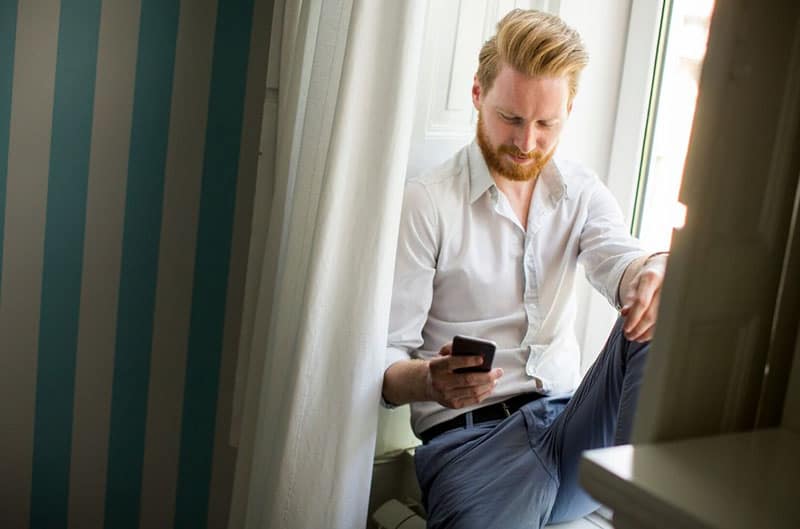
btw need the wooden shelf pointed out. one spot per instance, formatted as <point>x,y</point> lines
<point>736,481</point>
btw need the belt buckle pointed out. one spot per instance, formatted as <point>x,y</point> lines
<point>505,409</point>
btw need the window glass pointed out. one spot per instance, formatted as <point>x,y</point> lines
<point>670,122</point>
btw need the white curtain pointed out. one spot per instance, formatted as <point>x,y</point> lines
<point>319,277</point>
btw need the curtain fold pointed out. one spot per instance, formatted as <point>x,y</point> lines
<point>348,76</point>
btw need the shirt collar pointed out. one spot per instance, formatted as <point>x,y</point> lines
<point>480,180</point>
<point>552,178</point>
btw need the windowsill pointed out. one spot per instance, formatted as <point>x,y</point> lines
<point>733,481</point>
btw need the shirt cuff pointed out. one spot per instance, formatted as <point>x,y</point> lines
<point>386,404</point>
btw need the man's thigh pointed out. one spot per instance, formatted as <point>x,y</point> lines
<point>599,414</point>
<point>487,476</point>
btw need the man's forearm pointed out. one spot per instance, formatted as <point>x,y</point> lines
<point>406,381</point>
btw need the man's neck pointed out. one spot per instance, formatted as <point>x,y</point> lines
<point>515,189</point>
<point>519,195</point>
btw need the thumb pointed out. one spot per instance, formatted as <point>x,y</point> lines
<point>446,350</point>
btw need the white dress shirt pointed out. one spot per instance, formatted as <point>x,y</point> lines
<point>465,265</point>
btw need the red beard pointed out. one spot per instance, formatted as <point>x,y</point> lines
<point>499,164</point>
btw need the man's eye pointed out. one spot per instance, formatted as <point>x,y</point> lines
<point>511,119</point>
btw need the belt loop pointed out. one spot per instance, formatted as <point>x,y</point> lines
<point>468,419</point>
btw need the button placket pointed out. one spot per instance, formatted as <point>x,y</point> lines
<point>531,296</point>
<point>541,208</point>
<point>503,208</point>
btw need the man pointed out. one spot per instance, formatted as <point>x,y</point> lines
<point>488,247</point>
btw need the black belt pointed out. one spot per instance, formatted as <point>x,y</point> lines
<point>493,412</point>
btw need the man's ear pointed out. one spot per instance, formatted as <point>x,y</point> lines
<point>476,93</point>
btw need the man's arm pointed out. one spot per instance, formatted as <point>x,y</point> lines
<point>434,380</point>
<point>406,381</point>
<point>412,380</point>
<point>617,266</point>
<point>640,295</point>
<point>412,294</point>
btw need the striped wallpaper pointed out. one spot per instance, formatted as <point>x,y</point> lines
<point>127,163</point>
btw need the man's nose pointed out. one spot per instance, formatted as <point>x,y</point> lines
<point>527,138</point>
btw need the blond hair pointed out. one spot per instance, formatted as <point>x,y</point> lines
<point>534,43</point>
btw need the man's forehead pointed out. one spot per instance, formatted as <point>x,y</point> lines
<point>519,93</point>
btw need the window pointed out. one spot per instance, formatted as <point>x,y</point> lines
<point>664,50</point>
<point>679,59</point>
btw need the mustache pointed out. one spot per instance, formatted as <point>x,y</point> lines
<point>514,151</point>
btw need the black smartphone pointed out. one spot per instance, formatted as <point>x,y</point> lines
<point>469,346</point>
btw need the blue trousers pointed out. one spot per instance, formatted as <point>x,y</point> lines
<point>523,471</point>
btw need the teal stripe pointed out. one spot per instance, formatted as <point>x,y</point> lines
<point>8,38</point>
<point>217,201</point>
<point>139,268</point>
<point>73,103</point>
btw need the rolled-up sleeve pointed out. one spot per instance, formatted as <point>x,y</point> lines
<point>606,246</point>
<point>415,268</point>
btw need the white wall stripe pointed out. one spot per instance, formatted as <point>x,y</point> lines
<point>183,173</point>
<point>105,207</point>
<point>224,462</point>
<point>23,248</point>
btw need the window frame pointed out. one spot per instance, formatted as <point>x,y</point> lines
<point>641,73</point>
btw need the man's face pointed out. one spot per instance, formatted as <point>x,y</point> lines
<point>520,120</point>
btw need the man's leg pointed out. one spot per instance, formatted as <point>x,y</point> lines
<point>599,414</point>
<point>485,476</point>
<point>511,474</point>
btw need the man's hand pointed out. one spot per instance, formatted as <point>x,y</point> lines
<point>457,390</point>
<point>640,294</point>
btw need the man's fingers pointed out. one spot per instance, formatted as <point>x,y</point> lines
<point>457,362</point>
<point>637,304</point>
<point>447,363</point>
<point>645,334</point>
<point>467,397</point>
<point>470,380</point>
<point>457,390</point>
<point>449,381</point>
<point>640,300</point>
<point>446,350</point>
<point>643,330</point>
